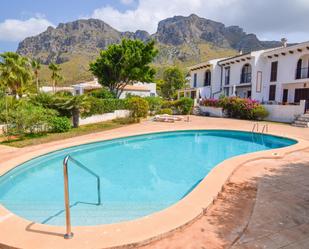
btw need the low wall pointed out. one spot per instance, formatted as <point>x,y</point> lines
<point>104,117</point>
<point>212,111</point>
<point>285,113</point>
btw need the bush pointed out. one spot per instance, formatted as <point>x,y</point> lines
<point>26,118</point>
<point>210,102</point>
<point>183,106</point>
<point>236,107</point>
<point>259,113</point>
<point>101,106</point>
<point>102,94</point>
<point>155,103</point>
<point>168,111</point>
<point>139,108</point>
<point>60,124</point>
<point>63,94</point>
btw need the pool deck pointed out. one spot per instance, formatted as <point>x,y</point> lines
<point>158,225</point>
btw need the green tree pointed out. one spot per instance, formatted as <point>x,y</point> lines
<point>76,105</point>
<point>173,80</point>
<point>15,73</point>
<point>56,76</point>
<point>123,64</point>
<point>36,66</point>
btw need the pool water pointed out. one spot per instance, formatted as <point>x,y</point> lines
<point>139,175</point>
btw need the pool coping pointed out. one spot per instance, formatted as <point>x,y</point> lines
<point>135,232</point>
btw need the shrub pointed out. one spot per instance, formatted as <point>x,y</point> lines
<point>26,118</point>
<point>102,94</point>
<point>155,103</point>
<point>139,108</point>
<point>236,107</point>
<point>63,94</point>
<point>59,124</point>
<point>210,102</point>
<point>183,106</point>
<point>101,106</point>
<point>259,113</point>
<point>168,111</point>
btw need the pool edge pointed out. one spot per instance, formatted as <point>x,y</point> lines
<point>154,226</point>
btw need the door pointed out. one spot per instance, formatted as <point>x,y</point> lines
<point>302,94</point>
<point>285,95</point>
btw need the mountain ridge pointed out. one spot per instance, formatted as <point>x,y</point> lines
<point>181,40</point>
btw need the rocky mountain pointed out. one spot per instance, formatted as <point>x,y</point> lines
<point>181,40</point>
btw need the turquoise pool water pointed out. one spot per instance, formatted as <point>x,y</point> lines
<point>139,175</point>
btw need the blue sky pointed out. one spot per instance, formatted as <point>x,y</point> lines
<point>22,18</point>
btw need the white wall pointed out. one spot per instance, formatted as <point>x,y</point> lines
<point>286,73</point>
<point>284,113</point>
<point>105,117</point>
<point>215,86</point>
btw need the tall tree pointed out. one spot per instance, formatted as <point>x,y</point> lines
<point>124,64</point>
<point>36,66</point>
<point>173,80</point>
<point>56,76</point>
<point>15,73</point>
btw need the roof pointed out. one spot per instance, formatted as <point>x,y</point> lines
<point>288,49</point>
<point>200,66</point>
<point>240,56</point>
<point>57,88</point>
<point>136,88</point>
<point>88,85</point>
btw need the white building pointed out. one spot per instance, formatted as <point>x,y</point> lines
<point>137,89</point>
<point>278,75</point>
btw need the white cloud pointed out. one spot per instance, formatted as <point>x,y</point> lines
<point>16,30</point>
<point>275,18</point>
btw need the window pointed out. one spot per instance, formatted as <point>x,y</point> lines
<point>195,80</point>
<point>299,69</point>
<point>274,70</point>
<point>272,92</point>
<point>207,81</point>
<point>227,75</point>
<point>246,74</point>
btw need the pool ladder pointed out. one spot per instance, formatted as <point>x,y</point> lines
<point>255,128</point>
<point>69,234</point>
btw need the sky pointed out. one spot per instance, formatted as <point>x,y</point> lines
<point>269,19</point>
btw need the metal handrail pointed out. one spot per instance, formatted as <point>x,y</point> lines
<point>265,128</point>
<point>68,158</point>
<point>255,125</point>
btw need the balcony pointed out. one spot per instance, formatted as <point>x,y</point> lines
<point>302,73</point>
<point>245,78</point>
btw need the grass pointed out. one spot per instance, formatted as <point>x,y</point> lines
<point>35,139</point>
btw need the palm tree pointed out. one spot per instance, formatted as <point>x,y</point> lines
<point>76,105</point>
<point>55,74</point>
<point>15,73</point>
<point>36,66</point>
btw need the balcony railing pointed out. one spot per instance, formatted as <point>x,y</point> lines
<point>245,78</point>
<point>302,73</point>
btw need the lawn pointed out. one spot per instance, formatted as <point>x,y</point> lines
<point>74,132</point>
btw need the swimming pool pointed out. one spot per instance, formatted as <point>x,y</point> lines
<point>139,175</point>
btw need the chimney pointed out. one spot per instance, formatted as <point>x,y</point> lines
<point>240,51</point>
<point>284,42</point>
